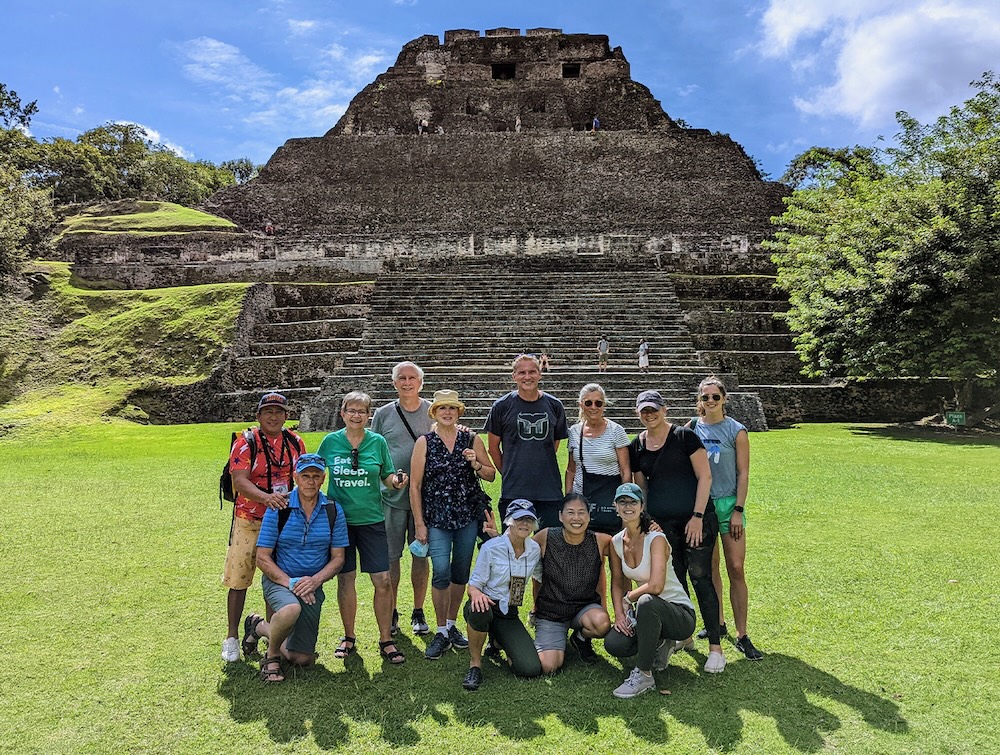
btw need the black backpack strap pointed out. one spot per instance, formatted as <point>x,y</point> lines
<point>331,516</point>
<point>399,411</point>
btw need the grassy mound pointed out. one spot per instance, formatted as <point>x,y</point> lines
<point>141,218</point>
<point>70,341</point>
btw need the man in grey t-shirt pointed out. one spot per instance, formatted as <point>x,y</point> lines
<point>603,347</point>
<point>401,422</point>
<point>524,430</point>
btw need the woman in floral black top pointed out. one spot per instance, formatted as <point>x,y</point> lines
<point>444,499</point>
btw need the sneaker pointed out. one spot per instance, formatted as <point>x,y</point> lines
<point>703,634</point>
<point>491,651</point>
<point>746,647</point>
<point>230,650</point>
<point>419,622</point>
<point>473,679</point>
<point>716,663</point>
<point>635,685</point>
<point>456,638</point>
<point>439,645</point>
<point>394,627</point>
<point>583,646</point>
<point>687,644</point>
<point>662,658</point>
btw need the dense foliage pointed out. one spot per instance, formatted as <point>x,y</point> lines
<point>891,258</point>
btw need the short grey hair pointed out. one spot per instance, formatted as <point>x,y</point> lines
<point>592,388</point>
<point>401,365</point>
<point>356,397</point>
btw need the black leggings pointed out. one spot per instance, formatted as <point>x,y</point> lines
<point>696,562</point>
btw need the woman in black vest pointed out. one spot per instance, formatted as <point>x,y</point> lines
<point>573,590</point>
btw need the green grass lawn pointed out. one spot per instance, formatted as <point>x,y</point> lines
<point>144,218</point>
<point>872,567</point>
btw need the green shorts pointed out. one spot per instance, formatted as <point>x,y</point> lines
<point>724,508</point>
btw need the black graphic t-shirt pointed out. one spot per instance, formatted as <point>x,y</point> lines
<point>528,431</point>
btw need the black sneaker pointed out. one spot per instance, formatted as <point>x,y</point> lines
<point>473,679</point>
<point>419,622</point>
<point>394,627</point>
<point>583,646</point>
<point>438,647</point>
<point>703,634</point>
<point>491,650</point>
<point>456,638</point>
<point>746,647</point>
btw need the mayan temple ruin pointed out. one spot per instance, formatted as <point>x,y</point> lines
<point>496,193</point>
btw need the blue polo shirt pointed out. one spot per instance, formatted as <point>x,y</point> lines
<point>303,548</point>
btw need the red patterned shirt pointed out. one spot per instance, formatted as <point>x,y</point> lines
<point>282,456</point>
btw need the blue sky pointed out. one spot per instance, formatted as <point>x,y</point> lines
<point>219,79</point>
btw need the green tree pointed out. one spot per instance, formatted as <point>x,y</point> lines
<point>242,168</point>
<point>891,259</point>
<point>14,115</point>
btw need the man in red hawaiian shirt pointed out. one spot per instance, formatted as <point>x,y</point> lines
<point>261,467</point>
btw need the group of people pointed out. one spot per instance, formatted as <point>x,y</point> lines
<point>604,352</point>
<point>648,511</point>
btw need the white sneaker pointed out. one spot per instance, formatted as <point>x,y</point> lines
<point>662,658</point>
<point>230,650</point>
<point>635,685</point>
<point>716,663</point>
<point>687,644</point>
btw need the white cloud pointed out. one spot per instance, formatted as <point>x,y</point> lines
<point>56,89</point>
<point>404,2</point>
<point>687,90</point>
<point>156,138</point>
<point>78,111</point>
<point>297,27</point>
<point>212,62</point>
<point>885,55</point>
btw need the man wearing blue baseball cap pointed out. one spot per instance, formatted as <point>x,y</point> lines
<point>299,548</point>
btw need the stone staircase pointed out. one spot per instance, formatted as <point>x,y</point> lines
<point>296,344</point>
<point>464,327</point>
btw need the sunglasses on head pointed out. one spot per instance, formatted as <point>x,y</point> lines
<point>593,402</point>
<point>711,397</point>
<point>354,459</point>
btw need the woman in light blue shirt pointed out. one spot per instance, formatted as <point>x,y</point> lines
<point>496,590</point>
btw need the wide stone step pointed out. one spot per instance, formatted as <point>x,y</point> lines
<point>237,406</point>
<point>296,370</point>
<point>742,341</point>
<point>322,294</point>
<point>747,287</point>
<point>705,321</point>
<point>734,305</point>
<point>347,327</point>
<point>314,346</point>
<point>300,314</point>
<point>759,366</point>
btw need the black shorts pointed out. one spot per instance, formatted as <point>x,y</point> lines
<point>370,541</point>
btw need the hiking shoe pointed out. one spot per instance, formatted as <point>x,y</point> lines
<point>419,622</point>
<point>439,645</point>
<point>473,679</point>
<point>491,650</point>
<point>687,644</point>
<point>746,647</point>
<point>703,634</point>
<point>716,663</point>
<point>662,658</point>
<point>583,646</point>
<point>456,638</point>
<point>394,627</point>
<point>230,650</point>
<point>635,685</point>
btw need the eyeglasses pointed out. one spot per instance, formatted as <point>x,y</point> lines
<point>593,402</point>
<point>711,397</point>
<point>355,412</point>
<point>354,459</point>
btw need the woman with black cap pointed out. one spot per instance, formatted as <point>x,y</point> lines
<point>670,464</point>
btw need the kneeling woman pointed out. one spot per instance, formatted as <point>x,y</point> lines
<point>496,590</point>
<point>652,610</point>
<point>571,596</point>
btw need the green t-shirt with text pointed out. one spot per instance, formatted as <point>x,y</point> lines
<point>356,490</point>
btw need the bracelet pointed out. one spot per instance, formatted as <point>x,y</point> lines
<point>698,514</point>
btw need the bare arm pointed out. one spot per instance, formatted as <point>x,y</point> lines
<point>570,472</point>
<point>540,537</point>
<point>484,464</point>
<point>243,486</point>
<point>268,567</point>
<point>619,585</point>
<point>694,531</point>
<point>742,482</point>
<point>624,464</point>
<point>494,450</point>
<point>417,461</point>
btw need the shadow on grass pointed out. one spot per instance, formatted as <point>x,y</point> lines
<point>925,435</point>
<point>336,704</point>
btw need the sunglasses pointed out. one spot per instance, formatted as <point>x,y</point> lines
<point>711,397</point>
<point>354,459</point>
<point>593,402</point>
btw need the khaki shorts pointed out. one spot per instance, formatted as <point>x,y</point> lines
<point>241,555</point>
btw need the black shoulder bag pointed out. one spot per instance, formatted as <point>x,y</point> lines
<point>600,491</point>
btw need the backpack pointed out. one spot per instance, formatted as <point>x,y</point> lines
<point>226,490</point>
<point>283,514</point>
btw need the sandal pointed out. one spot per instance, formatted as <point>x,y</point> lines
<point>250,636</point>
<point>395,657</point>
<point>271,671</point>
<point>344,649</point>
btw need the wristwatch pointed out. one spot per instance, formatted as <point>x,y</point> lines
<point>738,509</point>
<point>698,515</point>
